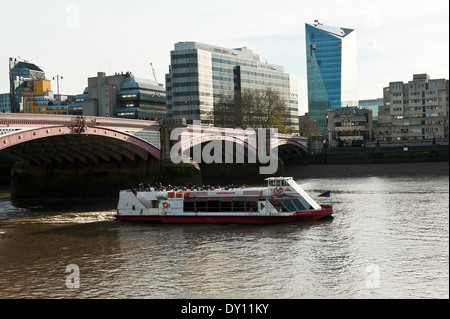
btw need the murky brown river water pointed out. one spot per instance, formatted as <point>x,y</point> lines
<point>389,238</point>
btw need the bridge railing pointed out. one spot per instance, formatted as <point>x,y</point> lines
<point>22,119</point>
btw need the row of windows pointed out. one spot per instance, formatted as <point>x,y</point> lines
<point>430,100</point>
<point>235,63</point>
<point>419,85</point>
<point>266,75</point>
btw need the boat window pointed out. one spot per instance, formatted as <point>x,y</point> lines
<point>278,205</point>
<point>298,204</point>
<point>213,206</point>
<point>200,206</point>
<point>251,206</point>
<point>155,203</point>
<point>189,206</point>
<point>239,206</point>
<point>225,206</point>
<point>293,204</point>
<point>290,206</point>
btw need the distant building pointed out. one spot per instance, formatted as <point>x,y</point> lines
<point>349,126</point>
<point>76,108</point>
<point>372,105</point>
<point>200,74</point>
<point>331,60</point>
<point>416,110</point>
<point>123,95</point>
<point>22,75</point>
<point>5,102</point>
<point>30,91</point>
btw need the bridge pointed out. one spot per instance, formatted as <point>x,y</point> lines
<point>46,152</point>
<point>34,138</point>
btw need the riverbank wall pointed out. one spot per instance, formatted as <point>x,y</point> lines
<point>365,170</point>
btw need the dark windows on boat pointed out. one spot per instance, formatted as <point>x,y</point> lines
<point>226,206</point>
<point>239,206</point>
<point>251,206</point>
<point>200,207</point>
<point>213,206</point>
<point>278,206</point>
<point>189,206</point>
<point>288,204</point>
<point>220,206</point>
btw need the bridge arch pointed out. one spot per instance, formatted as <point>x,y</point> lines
<point>120,144</point>
<point>292,142</point>
<point>198,140</point>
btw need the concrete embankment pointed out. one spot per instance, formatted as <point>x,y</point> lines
<point>355,170</point>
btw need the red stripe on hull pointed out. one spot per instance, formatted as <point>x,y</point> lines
<point>306,216</point>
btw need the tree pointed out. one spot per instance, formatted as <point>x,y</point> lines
<point>252,109</point>
<point>309,127</point>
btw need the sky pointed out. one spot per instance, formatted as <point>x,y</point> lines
<point>77,39</point>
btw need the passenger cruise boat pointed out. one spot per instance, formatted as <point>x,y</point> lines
<point>283,200</point>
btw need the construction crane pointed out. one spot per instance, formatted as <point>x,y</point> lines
<point>153,70</point>
<point>26,61</point>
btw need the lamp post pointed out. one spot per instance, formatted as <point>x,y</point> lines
<point>189,107</point>
<point>156,103</point>
<point>57,83</point>
<point>110,87</point>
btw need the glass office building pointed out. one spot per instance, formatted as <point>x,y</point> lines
<point>5,103</point>
<point>200,74</point>
<point>331,70</point>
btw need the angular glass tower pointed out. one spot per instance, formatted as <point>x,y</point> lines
<point>331,69</point>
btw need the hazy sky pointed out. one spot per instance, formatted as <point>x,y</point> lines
<point>76,39</point>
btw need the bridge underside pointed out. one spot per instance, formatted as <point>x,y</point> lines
<point>74,149</point>
<point>289,154</point>
<point>77,167</point>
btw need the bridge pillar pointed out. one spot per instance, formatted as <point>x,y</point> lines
<point>170,172</point>
<point>168,125</point>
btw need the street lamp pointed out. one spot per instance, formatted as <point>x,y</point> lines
<point>156,102</point>
<point>110,87</point>
<point>189,107</point>
<point>58,77</point>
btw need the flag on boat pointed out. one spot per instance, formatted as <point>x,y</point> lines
<point>326,194</point>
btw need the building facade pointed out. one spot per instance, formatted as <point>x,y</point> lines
<point>371,104</point>
<point>349,126</point>
<point>331,59</point>
<point>76,108</point>
<point>416,110</point>
<point>123,95</point>
<point>5,103</point>
<point>200,74</point>
<point>30,91</point>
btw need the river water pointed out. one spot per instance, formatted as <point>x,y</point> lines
<point>389,238</point>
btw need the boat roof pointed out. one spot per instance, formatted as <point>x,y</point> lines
<point>277,178</point>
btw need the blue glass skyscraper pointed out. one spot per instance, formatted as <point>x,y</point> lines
<point>331,69</point>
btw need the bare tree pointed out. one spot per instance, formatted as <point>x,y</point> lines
<point>309,127</point>
<point>252,109</point>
